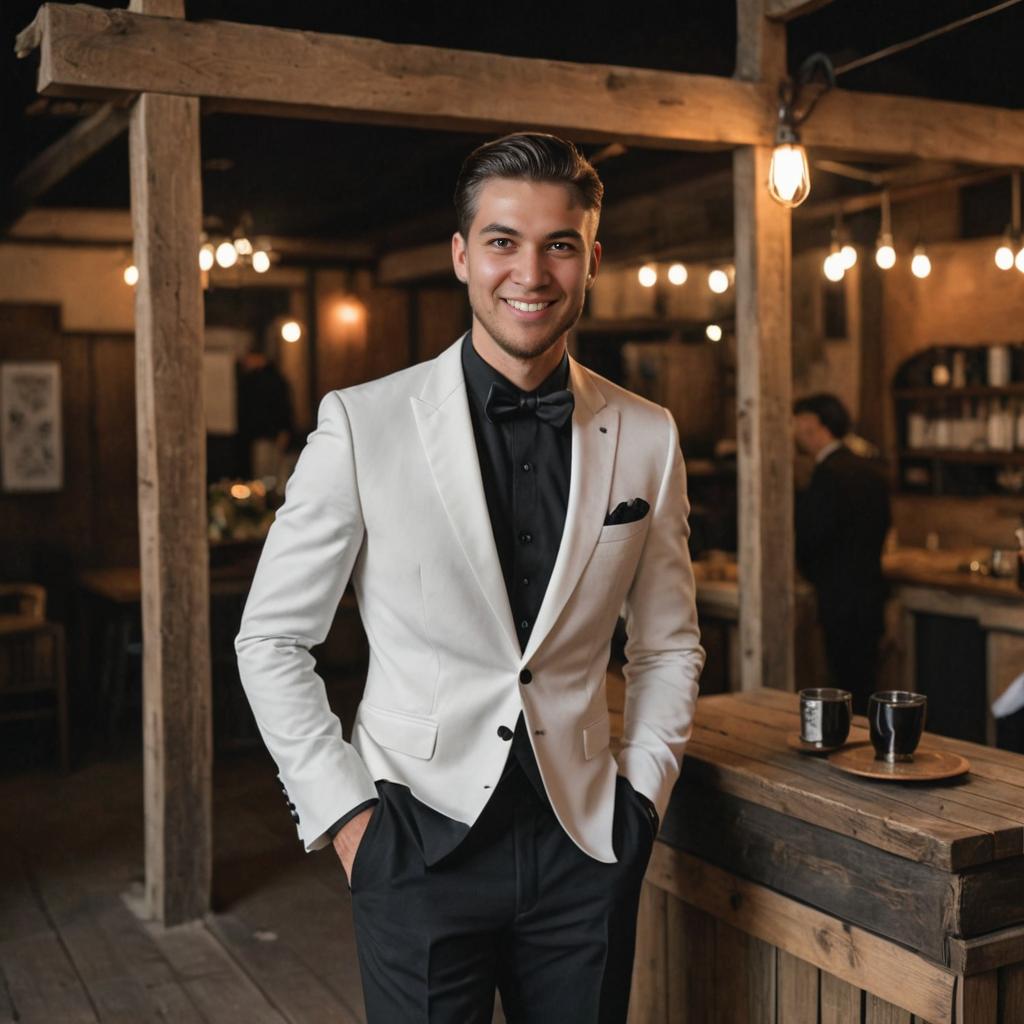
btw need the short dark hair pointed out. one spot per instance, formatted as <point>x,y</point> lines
<point>533,156</point>
<point>827,407</point>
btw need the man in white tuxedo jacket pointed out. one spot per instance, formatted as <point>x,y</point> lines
<point>495,509</point>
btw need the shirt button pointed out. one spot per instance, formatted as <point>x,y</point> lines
<point>526,676</point>
<point>525,537</point>
<point>525,581</point>
<point>526,467</point>
<point>505,732</point>
<point>525,624</point>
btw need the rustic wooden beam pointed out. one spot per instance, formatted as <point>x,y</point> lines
<point>254,69</point>
<point>60,158</point>
<point>763,256</point>
<point>787,10</point>
<point>166,216</point>
<point>86,51</point>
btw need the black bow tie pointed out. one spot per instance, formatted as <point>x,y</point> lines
<point>504,402</point>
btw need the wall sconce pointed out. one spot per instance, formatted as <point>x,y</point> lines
<point>789,177</point>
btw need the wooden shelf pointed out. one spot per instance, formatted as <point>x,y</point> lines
<point>975,391</point>
<point>957,455</point>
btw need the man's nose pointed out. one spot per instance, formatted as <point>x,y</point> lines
<point>529,271</point>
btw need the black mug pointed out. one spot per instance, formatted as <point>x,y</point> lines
<point>825,715</point>
<point>896,721</point>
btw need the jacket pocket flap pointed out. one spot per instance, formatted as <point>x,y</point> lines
<point>596,737</point>
<point>396,730</point>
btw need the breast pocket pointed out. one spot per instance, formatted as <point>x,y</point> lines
<point>623,531</point>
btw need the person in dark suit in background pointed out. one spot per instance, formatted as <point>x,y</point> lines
<point>842,518</point>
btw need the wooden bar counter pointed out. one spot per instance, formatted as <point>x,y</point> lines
<point>784,890</point>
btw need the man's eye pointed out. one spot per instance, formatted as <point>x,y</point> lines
<point>561,246</point>
<point>501,243</point>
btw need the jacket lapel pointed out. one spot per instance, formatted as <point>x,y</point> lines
<point>446,432</point>
<point>595,434</point>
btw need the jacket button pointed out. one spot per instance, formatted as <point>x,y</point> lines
<point>505,732</point>
<point>526,676</point>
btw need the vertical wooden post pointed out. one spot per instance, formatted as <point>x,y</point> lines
<point>764,385</point>
<point>177,735</point>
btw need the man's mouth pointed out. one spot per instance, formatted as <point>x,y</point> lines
<point>528,307</point>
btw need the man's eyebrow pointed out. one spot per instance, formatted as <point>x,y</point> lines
<point>504,229</point>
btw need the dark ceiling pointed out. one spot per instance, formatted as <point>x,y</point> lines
<point>345,181</point>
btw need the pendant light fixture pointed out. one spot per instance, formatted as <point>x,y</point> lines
<point>885,252</point>
<point>789,176</point>
<point>1010,251</point>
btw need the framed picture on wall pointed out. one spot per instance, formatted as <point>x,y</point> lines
<point>31,439</point>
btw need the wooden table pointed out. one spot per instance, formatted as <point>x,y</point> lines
<point>783,890</point>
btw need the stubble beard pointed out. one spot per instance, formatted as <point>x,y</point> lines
<point>512,347</point>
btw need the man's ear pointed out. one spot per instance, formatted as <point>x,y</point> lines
<point>595,263</point>
<point>459,256</point>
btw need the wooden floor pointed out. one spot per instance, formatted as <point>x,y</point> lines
<point>278,946</point>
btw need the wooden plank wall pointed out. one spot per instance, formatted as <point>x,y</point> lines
<point>695,964</point>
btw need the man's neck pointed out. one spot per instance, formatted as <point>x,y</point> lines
<point>526,374</point>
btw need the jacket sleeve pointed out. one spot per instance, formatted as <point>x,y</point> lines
<point>304,568</point>
<point>664,656</point>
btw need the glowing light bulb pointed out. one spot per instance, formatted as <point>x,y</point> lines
<point>1019,260</point>
<point>260,261</point>
<point>714,332</point>
<point>849,254</point>
<point>885,254</point>
<point>243,246</point>
<point>789,177</point>
<point>240,492</point>
<point>718,281</point>
<point>348,311</point>
<point>226,255</point>
<point>1005,257</point>
<point>131,275</point>
<point>677,274</point>
<point>206,257</point>
<point>648,275</point>
<point>920,265</point>
<point>291,331</point>
<point>834,267</point>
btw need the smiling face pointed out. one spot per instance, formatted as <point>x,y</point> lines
<point>528,262</point>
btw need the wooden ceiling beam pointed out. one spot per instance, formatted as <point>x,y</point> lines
<point>88,51</point>
<point>787,10</point>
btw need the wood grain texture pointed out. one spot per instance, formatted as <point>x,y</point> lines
<point>878,1011</point>
<point>852,954</point>
<point>841,1003</point>
<point>798,990</point>
<point>1011,992</point>
<point>763,399</point>
<point>649,995</point>
<point>786,10</point>
<point>166,215</point>
<point>760,44</point>
<point>977,999</point>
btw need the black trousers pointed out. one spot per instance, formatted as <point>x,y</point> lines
<point>516,907</point>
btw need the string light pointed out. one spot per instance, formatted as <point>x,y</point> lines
<point>677,274</point>
<point>1010,251</point>
<point>885,252</point>
<point>648,275</point>
<point>713,332</point>
<point>260,261</point>
<point>131,275</point>
<point>291,331</point>
<point>226,255</point>
<point>920,265</point>
<point>718,281</point>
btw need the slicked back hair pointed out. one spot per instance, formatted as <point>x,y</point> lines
<point>529,156</point>
<point>829,409</point>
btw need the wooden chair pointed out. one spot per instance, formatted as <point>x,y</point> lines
<point>32,661</point>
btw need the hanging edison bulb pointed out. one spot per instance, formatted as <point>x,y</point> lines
<point>1005,254</point>
<point>789,176</point>
<point>648,275</point>
<point>920,265</point>
<point>677,274</point>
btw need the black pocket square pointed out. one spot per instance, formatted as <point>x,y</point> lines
<point>627,512</point>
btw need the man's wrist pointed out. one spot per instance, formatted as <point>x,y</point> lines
<point>349,815</point>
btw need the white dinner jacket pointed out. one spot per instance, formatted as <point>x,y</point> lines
<point>388,492</point>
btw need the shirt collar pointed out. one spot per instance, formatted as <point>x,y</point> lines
<point>827,451</point>
<point>480,375</point>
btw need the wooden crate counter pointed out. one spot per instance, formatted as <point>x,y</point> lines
<point>783,890</point>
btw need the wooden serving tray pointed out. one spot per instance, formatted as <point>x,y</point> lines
<point>928,765</point>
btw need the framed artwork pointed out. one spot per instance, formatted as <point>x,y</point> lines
<point>31,438</point>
